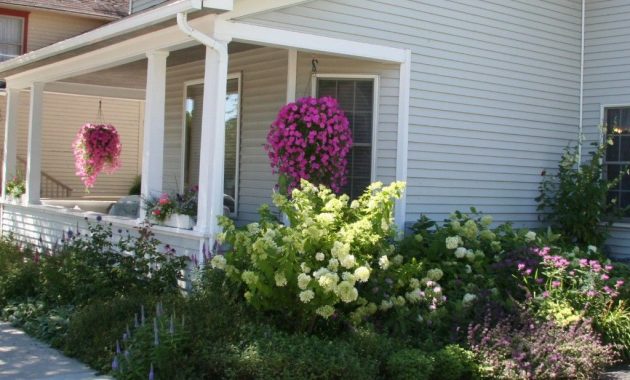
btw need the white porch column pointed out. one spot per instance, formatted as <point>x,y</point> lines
<point>153,147</point>
<point>402,145</point>
<point>34,155</point>
<point>212,155</point>
<point>10,138</point>
<point>291,75</point>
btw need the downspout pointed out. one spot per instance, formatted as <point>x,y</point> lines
<point>581,122</point>
<point>182,23</point>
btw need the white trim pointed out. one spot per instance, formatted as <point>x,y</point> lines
<point>266,36</point>
<point>375,107</point>
<point>292,75</point>
<point>117,28</point>
<point>581,120</point>
<point>236,75</point>
<point>244,8</point>
<point>402,146</point>
<point>10,138</point>
<point>34,154</point>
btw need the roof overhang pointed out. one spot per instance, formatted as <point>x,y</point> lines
<point>125,26</point>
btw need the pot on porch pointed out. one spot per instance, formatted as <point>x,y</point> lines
<point>179,221</point>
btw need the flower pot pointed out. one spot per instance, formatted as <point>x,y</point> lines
<point>179,221</point>
<point>15,200</point>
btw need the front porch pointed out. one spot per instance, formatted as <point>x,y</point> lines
<point>186,140</point>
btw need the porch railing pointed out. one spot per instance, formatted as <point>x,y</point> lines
<point>50,186</point>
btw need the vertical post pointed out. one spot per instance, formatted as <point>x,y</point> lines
<point>402,146</point>
<point>10,138</point>
<point>291,75</point>
<point>212,155</point>
<point>34,162</point>
<point>153,144</point>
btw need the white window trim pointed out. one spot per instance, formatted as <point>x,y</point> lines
<point>239,76</point>
<point>624,222</point>
<point>375,111</point>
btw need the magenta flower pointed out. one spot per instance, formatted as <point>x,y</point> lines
<point>555,284</point>
<point>96,148</point>
<point>619,284</point>
<point>310,140</point>
<point>605,277</point>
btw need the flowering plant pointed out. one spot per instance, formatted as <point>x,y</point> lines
<point>310,140</point>
<point>167,204</point>
<point>96,148</point>
<point>330,260</point>
<point>16,187</point>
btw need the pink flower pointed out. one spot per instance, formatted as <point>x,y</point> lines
<point>605,277</point>
<point>619,284</point>
<point>96,148</point>
<point>310,139</point>
<point>156,212</point>
<point>555,284</point>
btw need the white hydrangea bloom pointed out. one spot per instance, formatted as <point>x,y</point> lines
<point>468,269</point>
<point>347,276</point>
<point>329,281</point>
<point>325,311</point>
<point>348,261</point>
<point>362,274</point>
<point>415,296</point>
<point>486,220</point>
<point>453,242</point>
<point>333,264</point>
<point>347,292</point>
<point>320,272</point>
<point>397,260</point>
<point>305,268</point>
<point>303,280</point>
<point>470,255</point>
<point>530,236</point>
<point>383,262</point>
<point>460,252</point>
<point>469,298</point>
<point>435,274</point>
<point>249,277</point>
<point>218,262</point>
<point>386,305</point>
<point>319,256</point>
<point>399,301</point>
<point>306,296</point>
<point>281,279</point>
<point>591,248</point>
<point>414,283</point>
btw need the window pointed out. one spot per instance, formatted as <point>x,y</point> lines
<point>357,98</point>
<point>192,135</point>
<point>13,26</point>
<point>617,121</point>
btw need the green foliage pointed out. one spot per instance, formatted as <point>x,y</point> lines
<point>614,324</point>
<point>16,187</point>
<point>454,363</point>
<point>49,325</point>
<point>136,186</point>
<point>574,200</point>
<point>410,364</point>
<point>323,263</point>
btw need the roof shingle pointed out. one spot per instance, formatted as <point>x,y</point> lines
<point>98,8</point>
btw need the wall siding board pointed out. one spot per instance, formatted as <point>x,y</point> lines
<point>607,81</point>
<point>46,28</point>
<point>494,92</point>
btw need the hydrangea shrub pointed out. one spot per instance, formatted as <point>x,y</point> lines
<point>331,259</point>
<point>96,148</point>
<point>310,140</point>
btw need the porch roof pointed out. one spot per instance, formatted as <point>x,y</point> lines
<point>104,9</point>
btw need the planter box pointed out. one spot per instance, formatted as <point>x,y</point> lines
<point>179,221</point>
<point>15,201</point>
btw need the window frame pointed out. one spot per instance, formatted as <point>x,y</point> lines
<point>375,103</point>
<point>235,75</point>
<point>24,16</point>
<point>604,137</point>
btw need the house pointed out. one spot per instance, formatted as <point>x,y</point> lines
<point>29,25</point>
<point>465,100</point>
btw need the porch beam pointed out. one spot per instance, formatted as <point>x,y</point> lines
<point>9,169</point>
<point>34,154</point>
<point>154,115</point>
<point>82,89</point>
<point>262,35</point>
<point>212,155</point>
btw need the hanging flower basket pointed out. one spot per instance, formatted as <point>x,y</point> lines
<point>310,140</point>
<point>96,148</point>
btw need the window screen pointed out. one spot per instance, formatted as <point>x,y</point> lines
<point>618,154</point>
<point>356,98</point>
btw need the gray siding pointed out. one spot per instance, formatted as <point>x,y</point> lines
<point>140,5</point>
<point>494,97</point>
<point>607,79</point>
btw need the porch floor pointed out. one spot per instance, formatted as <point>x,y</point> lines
<point>22,357</point>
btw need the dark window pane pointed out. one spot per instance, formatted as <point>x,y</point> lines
<point>613,116</point>
<point>624,148</point>
<point>362,128</point>
<point>345,95</point>
<point>625,199</point>
<point>365,96</point>
<point>624,121</point>
<point>612,172</point>
<point>612,151</point>
<point>327,88</point>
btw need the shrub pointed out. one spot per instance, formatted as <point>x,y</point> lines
<point>575,202</point>
<point>410,364</point>
<point>454,363</point>
<point>328,261</point>
<point>614,324</point>
<point>521,347</point>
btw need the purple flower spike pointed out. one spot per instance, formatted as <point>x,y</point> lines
<point>171,326</point>
<point>115,364</point>
<point>156,337</point>
<point>136,324</point>
<point>128,332</point>
<point>117,348</point>
<point>151,373</point>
